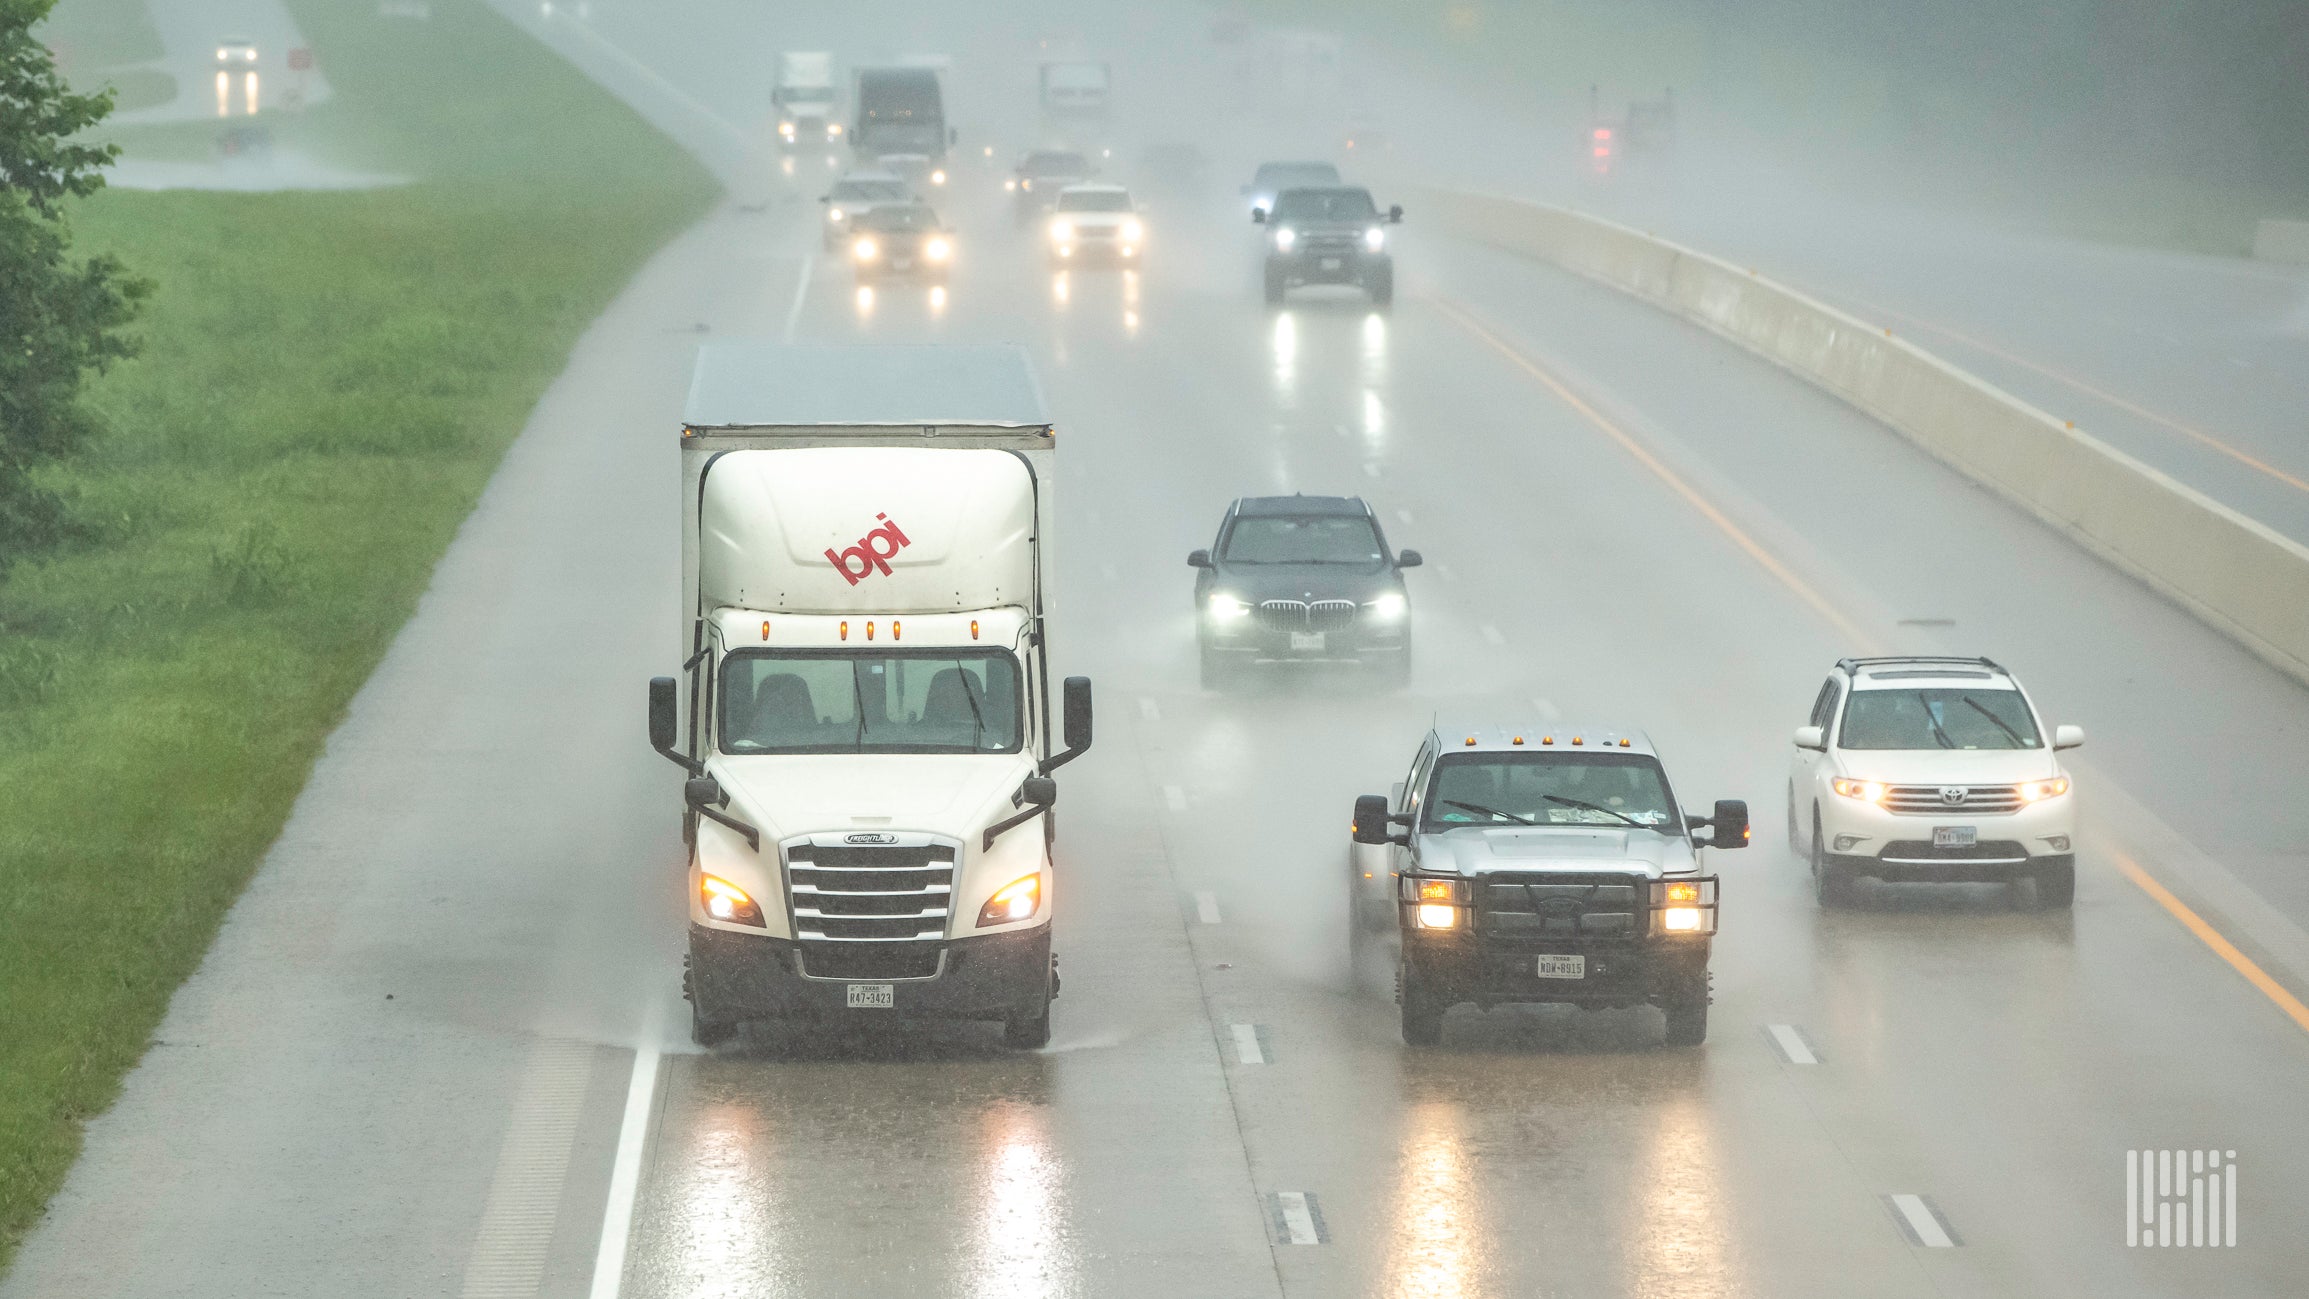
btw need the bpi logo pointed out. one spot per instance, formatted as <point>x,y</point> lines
<point>869,553</point>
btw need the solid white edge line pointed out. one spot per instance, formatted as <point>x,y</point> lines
<point>1207,908</point>
<point>801,295</point>
<point>1297,1221</point>
<point>625,1176</point>
<point>1792,1045</point>
<point>1922,1221</point>
<point>1247,1044</point>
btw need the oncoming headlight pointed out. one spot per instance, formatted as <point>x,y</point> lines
<point>726,901</point>
<point>1284,238</point>
<point>1374,239</point>
<point>1017,900</point>
<point>937,250</point>
<point>938,177</point>
<point>1867,791</point>
<point>833,214</point>
<point>1062,231</point>
<point>1133,231</point>
<point>2036,791</point>
<point>1226,608</point>
<point>865,250</point>
<point>1388,607</point>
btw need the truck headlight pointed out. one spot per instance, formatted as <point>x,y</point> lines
<point>938,177</point>
<point>1226,608</point>
<point>1434,916</point>
<point>2036,791</point>
<point>833,130</point>
<point>1389,607</point>
<point>1374,239</point>
<point>1684,906</point>
<point>1285,238</point>
<point>1133,232</point>
<point>726,901</point>
<point>1867,791</point>
<point>1680,920</point>
<point>937,250</point>
<point>786,129</point>
<point>1437,904</point>
<point>1017,900</point>
<point>865,250</point>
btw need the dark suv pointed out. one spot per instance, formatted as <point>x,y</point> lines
<point>1329,235</point>
<point>1302,578</point>
<point>1035,182</point>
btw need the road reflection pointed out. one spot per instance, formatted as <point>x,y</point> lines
<point>1437,1212</point>
<point>1283,342</point>
<point>1678,1242</point>
<point>724,1208</point>
<point>1024,1250</point>
<point>865,300</point>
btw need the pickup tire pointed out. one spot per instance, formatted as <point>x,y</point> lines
<point>1381,284</point>
<point>2056,884</point>
<point>1027,1028</point>
<point>1688,1019</point>
<point>1422,1011</point>
<point>1276,283</point>
<point>1831,883</point>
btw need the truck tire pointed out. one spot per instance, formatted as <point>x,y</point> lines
<point>1831,885</point>
<point>1422,1012</point>
<point>2056,884</point>
<point>704,1029</point>
<point>1688,1020</point>
<point>1381,283</point>
<point>1027,1028</point>
<point>1275,285</point>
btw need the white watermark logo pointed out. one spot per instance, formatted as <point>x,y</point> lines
<point>2180,1198</point>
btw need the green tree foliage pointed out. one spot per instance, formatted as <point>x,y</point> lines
<point>60,318</point>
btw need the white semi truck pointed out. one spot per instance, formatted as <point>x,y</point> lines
<point>804,99</point>
<point>869,733</point>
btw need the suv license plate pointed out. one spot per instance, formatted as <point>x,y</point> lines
<point>1330,263</point>
<point>873,996</point>
<point>1562,967</point>
<point>1307,642</point>
<point>1955,836</point>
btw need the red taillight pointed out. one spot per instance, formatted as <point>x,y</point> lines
<point>1603,133</point>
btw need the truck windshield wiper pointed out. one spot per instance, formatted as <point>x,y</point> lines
<point>1592,807</point>
<point>858,701</point>
<point>977,719</point>
<point>1996,721</point>
<point>1486,811</point>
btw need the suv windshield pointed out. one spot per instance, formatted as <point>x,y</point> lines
<point>1302,539</point>
<point>1095,201</point>
<point>1284,175</point>
<point>1325,205</point>
<point>1550,789</point>
<point>869,191</point>
<point>829,701</point>
<point>896,218</point>
<point>1938,717</point>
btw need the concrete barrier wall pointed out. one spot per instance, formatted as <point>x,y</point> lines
<point>2236,574</point>
<point>2282,241</point>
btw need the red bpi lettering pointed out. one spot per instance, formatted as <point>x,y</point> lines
<point>869,554</point>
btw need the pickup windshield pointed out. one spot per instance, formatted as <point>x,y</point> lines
<point>1318,205</point>
<point>1550,789</point>
<point>1302,539</point>
<point>832,701</point>
<point>1938,717</point>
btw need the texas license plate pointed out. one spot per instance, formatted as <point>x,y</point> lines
<point>1955,836</point>
<point>873,996</point>
<point>1305,642</point>
<point>1562,967</point>
<point>1330,263</point>
<point>901,263</point>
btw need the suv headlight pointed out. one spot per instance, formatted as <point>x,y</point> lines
<point>1867,791</point>
<point>2036,791</point>
<point>937,250</point>
<point>1389,607</point>
<point>1133,231</point>
<point>1374,239</point>
<point>1226,608</point>
<point>1285,238</point>
<point>866,250</point>
<point>1062,231</point>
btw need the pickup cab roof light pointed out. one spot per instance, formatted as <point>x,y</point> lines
<point>893,629</point>
<point>1576,739</point>
<point>1517,740</point>
<point>1471,741</point>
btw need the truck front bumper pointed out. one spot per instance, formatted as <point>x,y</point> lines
<point>1462,967</point>
<point>736,976</point>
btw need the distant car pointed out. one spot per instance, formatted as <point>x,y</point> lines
<point>1335,235</point>
<point>900,240</point>
<point>1931,769</point>
<point>853,195</point>
<point>1302,578</point>
<point>1273,178</point>
<point>235,54</point>
<point>1034,184</point>
<point>1096,223</point>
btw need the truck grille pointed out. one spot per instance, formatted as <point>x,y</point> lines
<point>1931,800</point>
<point>1300,615</point>
<point>1560,904</point>
<point>844,892</point>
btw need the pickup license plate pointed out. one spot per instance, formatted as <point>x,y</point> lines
<point>873,996</point>
<point>1330,263</point>
<point>1955,836</point>
<point>1307,642</point>
<point>1562,967</point>
<point>901,263</point>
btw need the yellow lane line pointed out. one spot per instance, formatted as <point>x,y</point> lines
<point>2212,938</point>
<point>2132,870</point>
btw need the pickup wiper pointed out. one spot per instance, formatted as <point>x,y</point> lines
<point>1996,721</point>
<point>1485,811</point>
<point>1591,807</point>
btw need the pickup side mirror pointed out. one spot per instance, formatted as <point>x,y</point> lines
<point>1409,559</point>
<point>1395,215</point>
<point>1371,821</point>
<point>1811,737</point>
<point>1199,559</point>
<point>1730,824</point>
<point>1074,712</point>
<point>2068,737</point>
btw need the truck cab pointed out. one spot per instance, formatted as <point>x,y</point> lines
<point>869,734</point>
<point>804,99</point>
<point>901,123</point>
<point>1539,864</point>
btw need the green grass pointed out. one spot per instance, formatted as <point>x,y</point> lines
<point>327,382</point>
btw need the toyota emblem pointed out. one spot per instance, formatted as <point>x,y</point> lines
<point>1952,794</point>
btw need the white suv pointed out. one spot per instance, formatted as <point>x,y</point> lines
<point>1931,769</point>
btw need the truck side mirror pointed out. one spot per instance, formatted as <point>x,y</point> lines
<point>1039,791</point>
<point>1409,559</point>
<point>1730,823</point>
<point>703,791</point>
<point>1395,215</point>
<point>1198,559</point>
<point>1074,711</point>
<point>2068,737</point>
<point>664,713</point>
<point>1811,737</point>
<point>1370,822</point>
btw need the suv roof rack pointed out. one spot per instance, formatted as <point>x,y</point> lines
<point>1853,664</point>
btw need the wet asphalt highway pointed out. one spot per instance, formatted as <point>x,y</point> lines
<point>1548,446</point>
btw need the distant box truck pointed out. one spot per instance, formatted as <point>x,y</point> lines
<point>867,713</point>
<point>901,122</point>
<point>1076,90</point>
<point>804,99</point>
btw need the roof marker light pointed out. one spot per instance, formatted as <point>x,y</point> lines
<point>1623,742</point>
<point>1471,741</point>
<point>869,629</point>
<point>974,629</point>
<point>1578,740</point>
<point>893,629</point>
<point>1517,740</point>
<point>765,629</point>
<point>845,629</point>
<point>1547,739</point>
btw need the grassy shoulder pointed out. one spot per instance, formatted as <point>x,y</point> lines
<point>327,383</point>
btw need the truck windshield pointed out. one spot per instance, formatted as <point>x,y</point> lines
<point>1550,789</point>
<point>873,701</point>
<point>1938,717</point>
<point>808,94</point>
<point>1302,539</point>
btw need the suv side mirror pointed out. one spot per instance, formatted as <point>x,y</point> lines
<point>1370,824</point>
<point>2068,737</point>
<point>1199,559</point>
<point>1258,216</point>
<point>1039,791</point>
<point>1811,737</point>
<point>1395,215</point>
<point>1409,559</point>
<point>1074,710</point>
<point>1730,824</point>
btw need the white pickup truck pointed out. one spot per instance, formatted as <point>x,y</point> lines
<point>869,698</point>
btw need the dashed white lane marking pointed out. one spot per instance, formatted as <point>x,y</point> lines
<point>1148,709</point>
<point>1370,469</point>
<point>1546,709</point>
<point>1793,1048</point>
<point>1403,517</point>
<point>1207,908</point>
<point>625,1173</point>
<point>517,1219</point>
<point>1175,797</point>
<point>801,295</point>
<point>1247,1048</point>
<point>1296,1218</point>
<point>1920,1221</point>
<point>1493,635</point>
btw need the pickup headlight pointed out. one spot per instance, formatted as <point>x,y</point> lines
<point>866,250</point>
<point>1062,231</point>
<point>1867,791</point>
<point>1684,906</point>
<point>1374,239</point>
<point>1436,904</point>
<point>937,250</point>
<point>1017,900</point>
<point>1285,238</point>
<point>2036,791</point>
<point>1389,607</point>
<point>1226,608</point>
<point>1133,232</point>
<point>726,901</point>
